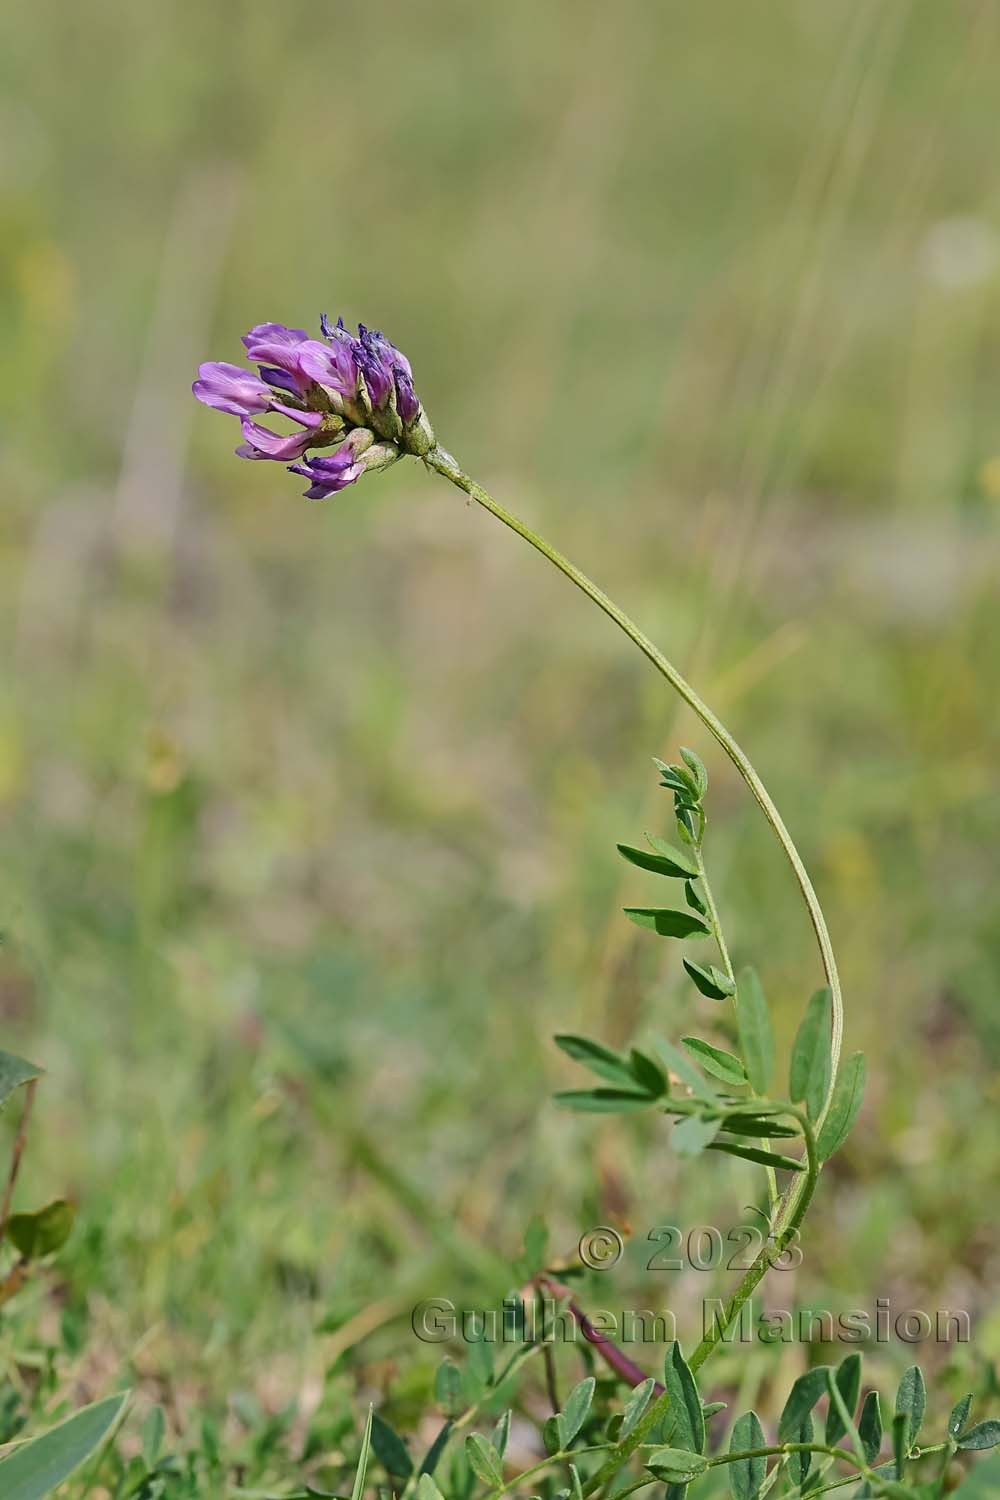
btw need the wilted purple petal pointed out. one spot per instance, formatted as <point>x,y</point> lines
<point>272,445</point>
<point>231,388</point>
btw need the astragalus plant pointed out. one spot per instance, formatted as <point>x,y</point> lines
<point>353,409</point>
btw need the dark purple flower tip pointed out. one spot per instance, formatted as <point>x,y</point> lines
<point>268,444</point>
<point>406,397</point>
<point>377,375</point>
<point>231,388</point>
<point>335,331</point>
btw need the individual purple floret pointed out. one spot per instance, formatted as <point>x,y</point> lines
<point>329,473</point>
<point>231,388</point>
<point>355,390</point>
<point>333,368</point>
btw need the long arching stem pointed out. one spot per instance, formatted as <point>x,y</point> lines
<point>444,464</point>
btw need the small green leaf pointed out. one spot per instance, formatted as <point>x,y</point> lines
<point>694,900</point>
<point>434,1453</point>
<point>603,1101</point>
<point>911,1401</point>
<point>552,1434</point>
<point>536,1243</point>
<point>646,1074</point>
<point>983,1435</point>
<point>959,1416</point>
<point>484,1461</point>
<point>682,1388</point>
<point>848,1380</point>
<point>801,1399</point>
<point>427,1489</point>
<point>762,1158</point>
<point>754,1026</point>
<point>15,1071</point>
<point>665,860</point>
<point>448,1388</point>
<point>676,1464</point>
<point>799,1464</point>
<point>692,1134</point>
<point>574,1413</point>
<point>900,1445</point>
<point>36,1468</point>
<point>679,779</point>
<point>696,766</point>
<point>848,1093</point>
<point>390,1449</point>
<point>870,1426</point>
<point>153,1430</point>
<point>757,1126</point>
<point>710,980</point>
<point>500,1434</point>
<point>720,1064</point>
<point>680,1064</point>
<point>599,1059</point>
<point>747,1475</point>
<point>42,1233</point>
<point>635,1406</point>
<point>479,1370</point>
<point>672,924</point>
<point>809,1073</point>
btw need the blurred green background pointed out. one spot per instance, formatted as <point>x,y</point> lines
<point>308,812</point>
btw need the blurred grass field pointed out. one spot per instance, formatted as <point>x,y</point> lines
<point>308,812</point>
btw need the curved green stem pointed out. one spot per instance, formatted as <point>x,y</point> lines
<point>797,1198</point>
<point>445,465</point>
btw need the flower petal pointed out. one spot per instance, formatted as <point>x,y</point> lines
<point>231,388</point>
<point>272,445</point>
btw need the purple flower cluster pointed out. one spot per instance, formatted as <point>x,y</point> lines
<point>355,391</point>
